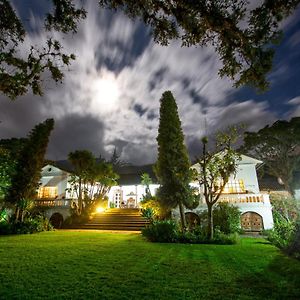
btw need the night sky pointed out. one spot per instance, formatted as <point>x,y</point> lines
<point>110,95</point>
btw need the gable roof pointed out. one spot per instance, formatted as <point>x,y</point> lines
<point>247,160</point>
<point>129,175</point>
<point>52,170</point>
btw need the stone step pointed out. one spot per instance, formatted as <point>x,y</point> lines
<point>115,215</point>
<point>109,227</point>
<point>116,219</point>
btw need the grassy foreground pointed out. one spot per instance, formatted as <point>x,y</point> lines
<point>95,265</point>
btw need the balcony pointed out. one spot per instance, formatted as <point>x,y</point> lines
<point>53,202</point>
<point>244,198</point>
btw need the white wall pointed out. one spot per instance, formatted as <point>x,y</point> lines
<point>247,172</point>
<point>137,190</point>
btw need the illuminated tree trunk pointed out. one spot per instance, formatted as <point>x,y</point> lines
<point>210,226</point>
<point>182,216</point>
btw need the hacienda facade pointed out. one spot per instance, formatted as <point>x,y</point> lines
<point>242,190</point>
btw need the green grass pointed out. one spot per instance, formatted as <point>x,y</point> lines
<point>95,265</point>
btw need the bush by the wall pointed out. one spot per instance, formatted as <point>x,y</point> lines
<point>153,204</point>
<point>29,225</point>
<point>148,214</point>
<point>168,232</point>
<point>227,218</point>
<point>282,233</point>
<point>225,239</point>
<point>286,232</point>
<point>293,248</point>
<point>161,231</point>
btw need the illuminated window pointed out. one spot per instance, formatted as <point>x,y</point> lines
<point>47,192</point>
<point>234,186</point>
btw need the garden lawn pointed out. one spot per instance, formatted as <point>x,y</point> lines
<point>97,265</point>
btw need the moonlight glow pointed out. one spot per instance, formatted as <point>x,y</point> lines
<point>104,93</point>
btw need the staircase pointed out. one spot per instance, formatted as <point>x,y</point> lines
<point>128,219</point>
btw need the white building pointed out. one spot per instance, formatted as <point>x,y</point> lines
<point>242,190</point>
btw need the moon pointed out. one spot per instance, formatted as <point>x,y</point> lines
<point>104,93</point>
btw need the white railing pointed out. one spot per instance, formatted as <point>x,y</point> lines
<point>54,202</point>
<point>244,198</point>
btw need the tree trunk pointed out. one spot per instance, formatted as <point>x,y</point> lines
<point>17,213</point>
<point>210,223</point>
<point>79,197</point>
<point>182,216</point>
<point>288,187</point>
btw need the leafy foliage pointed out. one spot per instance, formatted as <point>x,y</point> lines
<point>216,169</point>
<point>167,231</point>
<point>227,218</point>
<point>9,152</point>
<point>173,166</point>
<point>29,225</point>
<point>242,36</point>
<point>293,248</point>
<point>17,73</point>
<point>278,147</point>
<point>146,181</point>
<point>161,231</point>
<point>153,204</point>
<point>285,234</point>
<point>283,207</point>
<point>26,177</point>
<point>92,179</point>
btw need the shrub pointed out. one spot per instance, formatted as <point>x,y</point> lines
<point>286,232</point>
<point>227,218</point>
<point>199,236</point>
<point>5,228</point>
<point>168,232</point>
<point>293,248</point>
<point>161,231</point>
<point>148,213</point>
<point>283,206</point>
<point>225,239</point>
<point>282,233</point>
<point>29,225</point>
<point>154,205</point>
<point>75,218</point>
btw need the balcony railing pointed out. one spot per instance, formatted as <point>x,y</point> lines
<point>53,202</point>
<point>244,198</point>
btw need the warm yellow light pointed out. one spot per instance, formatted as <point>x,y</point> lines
<point>100,209</point>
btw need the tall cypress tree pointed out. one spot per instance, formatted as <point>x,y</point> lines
<point>27,174</point>
<point>173,166</point>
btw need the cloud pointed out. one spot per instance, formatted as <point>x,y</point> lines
<point>75,132</point>
<point>294,101</point>
<point>295,111</point>
<point>110,95</point>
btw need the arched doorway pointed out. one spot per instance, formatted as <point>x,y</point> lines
<point>251,221</point>
<point>56,220</point>
<point>131,203</point>
<point>192,219</point>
